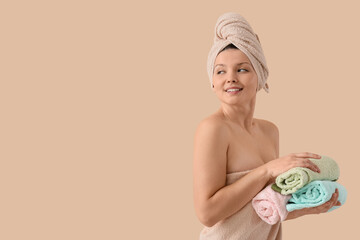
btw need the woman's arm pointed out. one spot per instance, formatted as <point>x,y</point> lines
<point>214,200</point>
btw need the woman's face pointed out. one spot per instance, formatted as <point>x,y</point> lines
<point>233,70</point>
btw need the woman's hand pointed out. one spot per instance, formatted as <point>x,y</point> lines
<point>316,210</point>
<point>326,206</point>
<point>282,164</point>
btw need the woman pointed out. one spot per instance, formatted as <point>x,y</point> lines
<point>236,155</point>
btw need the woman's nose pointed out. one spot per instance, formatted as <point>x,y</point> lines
<point>233,80</point>
<point>232,77</point>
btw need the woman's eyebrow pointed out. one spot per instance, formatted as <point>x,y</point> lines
<point>223,65</point>
<point>242,63</point>
<point>219,65</point>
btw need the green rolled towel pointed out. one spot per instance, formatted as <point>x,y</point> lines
<point>295,178</point>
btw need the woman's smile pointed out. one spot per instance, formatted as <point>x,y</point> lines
<point>233,91</point>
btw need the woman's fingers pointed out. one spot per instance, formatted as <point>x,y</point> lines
<point>283,164</point>
<point>329,204</point>
<point>307,155</point>
<point>305,161</point>
<point>308,164</point>
<point>334,199</point>
<point>335,195</point>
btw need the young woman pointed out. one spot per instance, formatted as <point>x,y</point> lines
<point>235,154</point>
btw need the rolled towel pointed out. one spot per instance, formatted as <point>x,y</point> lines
<point>270,206</point>
<point>296,178</point>
<point>232,28</point>
<point>315,194</point>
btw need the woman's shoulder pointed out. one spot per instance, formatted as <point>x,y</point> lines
<point>266,123</point>
<point>268,127</point>
<point>213,123</point>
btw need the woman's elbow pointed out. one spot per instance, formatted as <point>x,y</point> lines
<point>207,222</point>
<point>206,218</point>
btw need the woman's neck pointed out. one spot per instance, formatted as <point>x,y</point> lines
<point>242,115</point>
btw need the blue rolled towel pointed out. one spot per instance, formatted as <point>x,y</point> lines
<point>315,194</point>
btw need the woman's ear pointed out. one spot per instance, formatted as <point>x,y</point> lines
<point>213,88</point>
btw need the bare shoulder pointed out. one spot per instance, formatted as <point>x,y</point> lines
<point>210,147</point>
<point>213,125</point>
<point>269,128</point>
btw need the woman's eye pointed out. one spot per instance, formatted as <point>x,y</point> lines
<point>219,72</point>
<point>242,69</point>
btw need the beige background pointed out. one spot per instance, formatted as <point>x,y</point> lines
<point>100,101</point>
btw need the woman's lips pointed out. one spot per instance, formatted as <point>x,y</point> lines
<point>234,91</point>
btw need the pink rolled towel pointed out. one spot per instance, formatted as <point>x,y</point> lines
<point>270,205</point>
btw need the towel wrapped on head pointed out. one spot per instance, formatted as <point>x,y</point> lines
<point>232,28</point>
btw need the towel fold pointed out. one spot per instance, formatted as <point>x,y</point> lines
<point>296,178</point>
<point>315,194</point>
<point>244,224</point>
<point>270,206</point>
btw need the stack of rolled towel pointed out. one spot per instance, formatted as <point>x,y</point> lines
<point>299,188</point>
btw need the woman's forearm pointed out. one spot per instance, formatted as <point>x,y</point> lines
<point>297,213</point>
<point>231,198</point>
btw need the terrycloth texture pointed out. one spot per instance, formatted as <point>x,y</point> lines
<point>295,178</point>
<point>233,28</point>
<point>315,194</point>
<point>270,205</point>
<point>244,224</point>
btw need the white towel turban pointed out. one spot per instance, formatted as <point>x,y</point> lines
<point>233,28</point>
